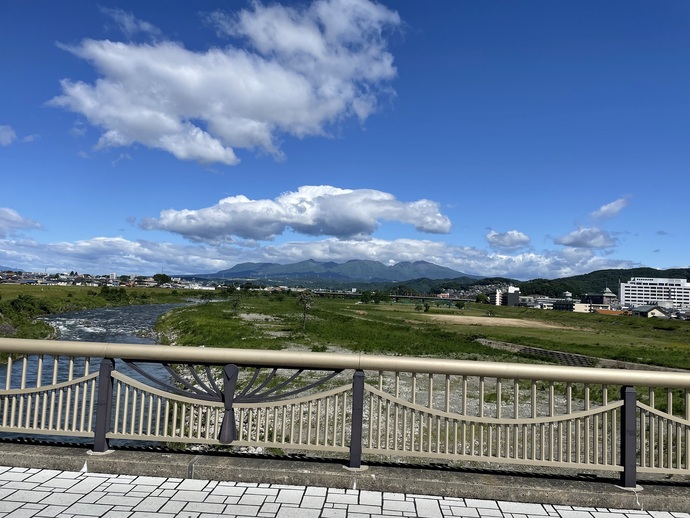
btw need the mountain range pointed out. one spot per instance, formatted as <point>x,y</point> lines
<point>355,270</point>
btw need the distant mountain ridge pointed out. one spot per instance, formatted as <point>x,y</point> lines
<point>354,270</point>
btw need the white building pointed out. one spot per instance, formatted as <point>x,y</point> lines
<point>643,291</point>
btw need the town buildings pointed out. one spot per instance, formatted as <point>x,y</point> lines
<point>668,293</point>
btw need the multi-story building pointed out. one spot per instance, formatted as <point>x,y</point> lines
<point>663,292</point>
<point>511,297</point>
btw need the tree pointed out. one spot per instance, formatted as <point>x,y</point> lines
<point>366,297</point>
<point>161,278</point>
<point>482,298</point>
<point>306,300</point>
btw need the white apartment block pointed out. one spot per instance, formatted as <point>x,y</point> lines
<point>664,292</point>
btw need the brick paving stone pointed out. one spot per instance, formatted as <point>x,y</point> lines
<point>393,496</point>
<point>602,514</point>
<point>192,485</point>
<point>316,491</point>
<point>92,497</point>
<point>23,513</point>
<point>88,509</point>
<point>397,505</point>
<point>14,475</point>
<point>151,504</point>
<point>370,498</point>
<point>334,513</point>
<point>118,488</point>
<point>313,502</point>
<point>363,509</point>
<point>248,499</point>
<point>119,500</point>
<point>290,496</point>
<point>149,481</point>
<point>42,476</point>
<point>522,508</point>
<point>223,490</point>
<point>294,512</point>
<point>466,511</point>
<point>428,508</point>
<point>172,507</point>
<point>25,495</point>
<point>482,504</point>
<point>271,508</point>
<point>242,510</point>
<point>152,515</point>
<point>8,507</point>
<point>342,499</point>
<point>574,514</point>
<point>203,507</point>
<point>86,485</point>
<point>189,496</point>
<point>51,511</point>
<point>262,491</point>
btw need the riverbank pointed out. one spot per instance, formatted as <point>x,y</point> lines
<point>21,306</point>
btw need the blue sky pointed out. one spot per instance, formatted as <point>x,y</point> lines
<point>520,139</point>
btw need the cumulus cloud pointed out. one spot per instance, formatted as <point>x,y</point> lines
<point>304,69</point>
<point>511,240</point>
<point>588,238</point>
<point>312,210</point>
<point>106,254</point>
<point>11,221</point>
<point>7,135</point>
<point>610,209</point>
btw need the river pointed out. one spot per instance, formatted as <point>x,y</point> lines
<point>124,324</point>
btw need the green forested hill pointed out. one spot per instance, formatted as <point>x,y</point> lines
<point>596,282</point>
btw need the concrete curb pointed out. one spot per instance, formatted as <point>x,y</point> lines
<point>668,494</point>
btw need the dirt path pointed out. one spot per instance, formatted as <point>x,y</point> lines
<point>495,322</point>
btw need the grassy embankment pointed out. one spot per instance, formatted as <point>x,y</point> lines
<point>274,322</point>
<point>21,305</point>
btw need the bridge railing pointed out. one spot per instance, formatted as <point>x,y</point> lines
<point>350,405</point>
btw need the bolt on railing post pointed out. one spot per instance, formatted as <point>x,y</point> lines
<point>628,438</point>
<point>357,419</point>
<point>228,428</point>
<point>104,405</point>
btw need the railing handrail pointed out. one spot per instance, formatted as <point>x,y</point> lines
<point>355,361</point>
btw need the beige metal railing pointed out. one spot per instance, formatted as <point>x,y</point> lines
<point>376,406</point>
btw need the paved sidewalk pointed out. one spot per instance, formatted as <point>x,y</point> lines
<point>28,492</point>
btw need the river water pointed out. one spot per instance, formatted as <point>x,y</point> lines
<point>125,324</point>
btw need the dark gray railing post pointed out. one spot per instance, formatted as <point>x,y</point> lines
<point>228,428</point>
<point>629,437</point>
<point>357,419</point>
<point>104,405</point>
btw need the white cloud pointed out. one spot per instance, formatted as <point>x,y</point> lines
<point>7,135</point>
<point>588,238</point>
<point>129,24</point>
<point>610,209</point>
<point>10,221</point>
<point>305,70</point>
<point>511,240</point>
<point>107,254</point>
<point>312,210</point>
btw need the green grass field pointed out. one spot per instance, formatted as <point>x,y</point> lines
<point>263,321</point>
<point>273,322</point>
